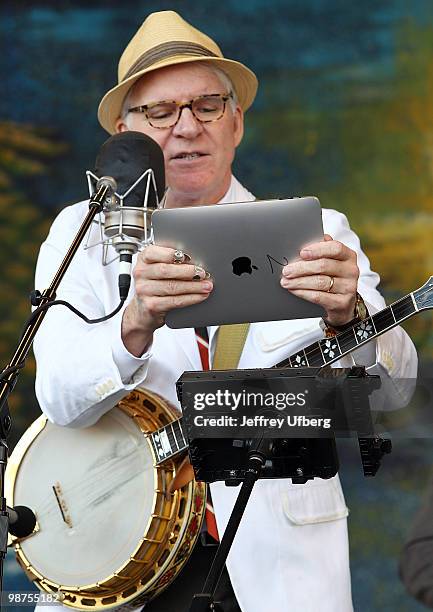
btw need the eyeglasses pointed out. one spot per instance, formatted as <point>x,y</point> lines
<point>166,114</point>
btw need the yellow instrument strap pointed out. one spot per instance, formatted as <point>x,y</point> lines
<point>230,342</point>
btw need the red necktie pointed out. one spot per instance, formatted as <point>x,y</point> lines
<point>203,348</point>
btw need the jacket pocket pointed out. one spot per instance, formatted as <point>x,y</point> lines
<point>277,334</point>
<point>317,501</point>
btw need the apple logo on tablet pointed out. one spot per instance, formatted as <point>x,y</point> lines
<point>243,265</point>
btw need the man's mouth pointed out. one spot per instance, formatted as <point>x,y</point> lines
<point>189,156</point>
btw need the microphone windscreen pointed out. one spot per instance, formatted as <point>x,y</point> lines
<point>125,156</point>
<point>25,522</point>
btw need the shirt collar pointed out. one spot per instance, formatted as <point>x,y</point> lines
<point>236,193</point>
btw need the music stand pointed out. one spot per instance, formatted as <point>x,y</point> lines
<point>246,461</point>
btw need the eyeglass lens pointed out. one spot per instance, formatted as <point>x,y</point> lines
<point>204,108</point>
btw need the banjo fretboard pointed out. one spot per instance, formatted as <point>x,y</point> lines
<point>168,441</point>
<point>328,350</point>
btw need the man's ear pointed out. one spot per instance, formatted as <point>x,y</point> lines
<point>238,119</point>
<point>120,125</point>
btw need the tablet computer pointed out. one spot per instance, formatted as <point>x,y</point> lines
<point>244,247</point>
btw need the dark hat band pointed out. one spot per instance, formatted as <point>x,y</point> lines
<point>169,49</point>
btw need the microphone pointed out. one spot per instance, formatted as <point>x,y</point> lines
<point>22,521</point>
<point>132,165</point>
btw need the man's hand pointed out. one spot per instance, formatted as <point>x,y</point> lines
<point>326,274</point>
<point>160,286</point>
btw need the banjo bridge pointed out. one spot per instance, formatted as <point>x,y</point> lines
<point>57,489</point>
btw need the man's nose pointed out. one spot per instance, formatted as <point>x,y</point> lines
<point>187,126</point>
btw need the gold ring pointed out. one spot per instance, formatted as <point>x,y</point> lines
<point>331,284</point>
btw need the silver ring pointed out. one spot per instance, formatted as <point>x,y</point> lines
<point>331,278</point>
<point>197,273</point>
<point>178,256</point>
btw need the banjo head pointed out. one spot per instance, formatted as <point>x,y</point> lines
<point>106,531</point>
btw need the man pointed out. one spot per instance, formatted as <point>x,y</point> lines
<point>291,550</point>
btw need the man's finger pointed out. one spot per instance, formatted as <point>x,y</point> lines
<point>173,287</point>
<point>161,305</point>
<point>161,270</point>
<point>330,301</point>
<point>154,254</point>
<point>323,267</point>
<point>332,249</point>
<point>314,282</point>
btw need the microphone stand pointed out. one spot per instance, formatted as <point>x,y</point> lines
<point>9,376</point>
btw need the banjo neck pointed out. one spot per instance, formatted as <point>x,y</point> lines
<point>169,440</point>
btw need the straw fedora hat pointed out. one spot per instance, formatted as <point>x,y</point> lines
<point>165,39</point>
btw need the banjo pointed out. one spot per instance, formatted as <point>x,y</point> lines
<point>110,532</point>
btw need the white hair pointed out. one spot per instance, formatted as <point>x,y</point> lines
<point>225,81</point>
<point>222,76</point>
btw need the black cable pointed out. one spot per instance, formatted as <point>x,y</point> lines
<point>74,310</point>
<point>11,369</point>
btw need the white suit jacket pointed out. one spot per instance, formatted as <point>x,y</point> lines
<point>291,549</point>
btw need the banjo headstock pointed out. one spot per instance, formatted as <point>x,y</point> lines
<point>424,295</point>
